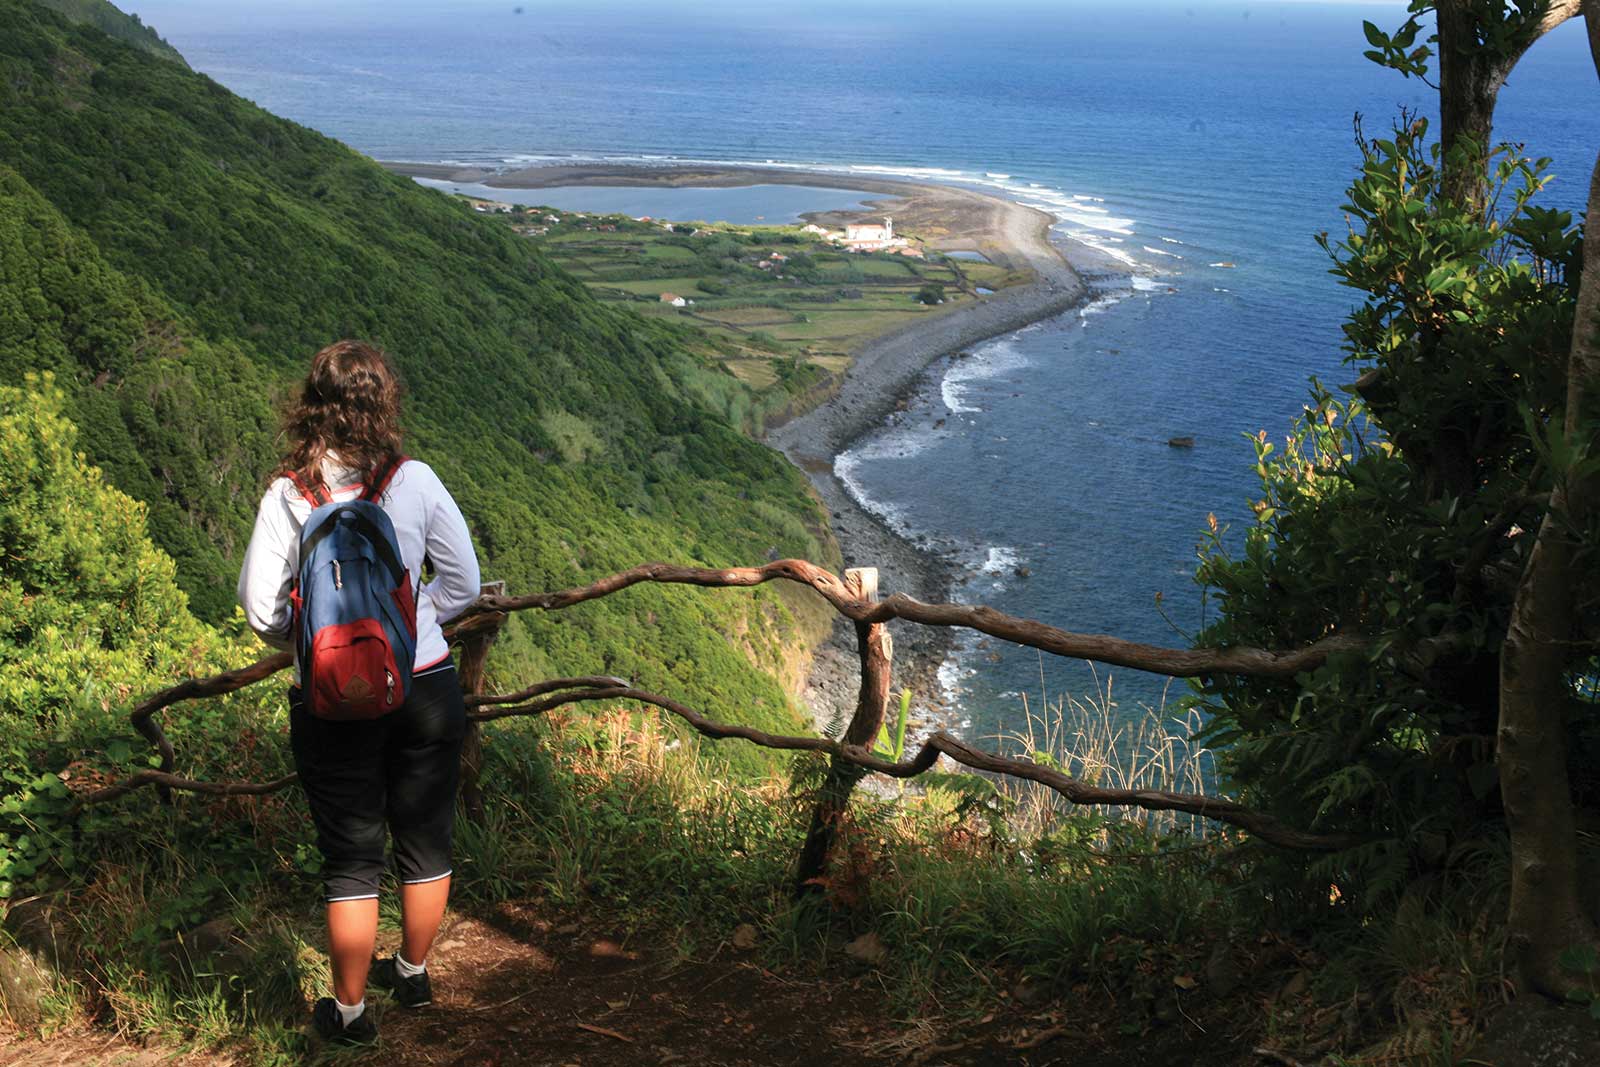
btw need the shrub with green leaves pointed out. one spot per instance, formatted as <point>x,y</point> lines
<point>1397,513</point>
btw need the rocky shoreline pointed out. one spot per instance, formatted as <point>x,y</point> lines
<point>883,373</point>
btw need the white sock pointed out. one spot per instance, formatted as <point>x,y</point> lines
<point>349,1013</point>
<point>406,969</point>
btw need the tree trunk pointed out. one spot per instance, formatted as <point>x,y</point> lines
<point>1547,916</point>
<point>1470,78</point>
<point>1469,81</point>
<point>876,650</point>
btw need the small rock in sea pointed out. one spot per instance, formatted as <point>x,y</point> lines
<point>938,424</point>
<point>1022,572</point>
<point>1181,442</point>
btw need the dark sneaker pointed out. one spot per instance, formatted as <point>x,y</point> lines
<point>413,992</point>
<point>359,1031</point>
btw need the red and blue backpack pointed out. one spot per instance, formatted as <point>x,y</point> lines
<point>355,616</point>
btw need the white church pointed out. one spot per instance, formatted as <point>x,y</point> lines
<point>867,237</point>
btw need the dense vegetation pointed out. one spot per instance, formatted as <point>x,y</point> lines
<point>1444,508</point>
<point>175,254</point>
<point>123,26</point>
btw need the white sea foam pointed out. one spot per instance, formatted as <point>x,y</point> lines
<point>1161,252</point>
<point>992,174</point>
<point>1172,240</point>
<point>901,442</point>
<point>998,559</point>
<point>1144,284</point>
<point>1097,306</point>
<point>990,361</point>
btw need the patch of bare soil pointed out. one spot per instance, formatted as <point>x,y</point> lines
<point>519,985</point>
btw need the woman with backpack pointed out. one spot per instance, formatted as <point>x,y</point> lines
<point>376,716</point>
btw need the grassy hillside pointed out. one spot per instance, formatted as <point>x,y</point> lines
<point>175,254</point>
<point>124,27</point>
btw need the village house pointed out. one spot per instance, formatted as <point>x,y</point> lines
<point>674,299</point>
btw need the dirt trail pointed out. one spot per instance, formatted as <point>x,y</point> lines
<point>515,986</point>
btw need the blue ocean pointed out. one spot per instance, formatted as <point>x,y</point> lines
<point>1198,147</point>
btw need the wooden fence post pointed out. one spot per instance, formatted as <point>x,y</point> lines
<point>876,650</point>
<point>477,634</point>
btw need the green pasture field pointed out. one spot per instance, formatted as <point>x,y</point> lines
<point>815,307</point>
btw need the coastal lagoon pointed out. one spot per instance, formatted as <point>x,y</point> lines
<point>747,205</point>
<point>1195,151</point>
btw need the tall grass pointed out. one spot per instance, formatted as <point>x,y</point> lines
<point>1093,739</point>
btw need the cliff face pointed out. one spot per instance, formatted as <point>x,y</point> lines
<point>175,254</point>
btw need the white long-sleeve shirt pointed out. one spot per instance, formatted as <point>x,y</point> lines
<point>427,523</point>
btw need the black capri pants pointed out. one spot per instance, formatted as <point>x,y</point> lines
<point>400,771</point>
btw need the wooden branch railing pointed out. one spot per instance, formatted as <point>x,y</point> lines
<point>1174,662</point>
<point>853,597</point>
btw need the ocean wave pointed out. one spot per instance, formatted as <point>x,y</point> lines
<point>895,442</point>
<point>1100,243</point>
<point>993,174</point>
<point>999,559</point>
<point>1161,252</point>
<point>1144,284</point>
<point>1098,306</point>
<point>989,361</point>
<point>1172,240</point>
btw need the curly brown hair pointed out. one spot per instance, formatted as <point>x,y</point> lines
<point>349,404</point>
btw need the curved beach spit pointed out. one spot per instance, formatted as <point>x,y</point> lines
<point>883,370</point>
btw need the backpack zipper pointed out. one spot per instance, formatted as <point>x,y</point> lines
<point>388,676</point>
<point>338,576</point>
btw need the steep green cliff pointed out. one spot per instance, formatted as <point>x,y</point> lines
<point>175,254</point>
<point>109,20</point>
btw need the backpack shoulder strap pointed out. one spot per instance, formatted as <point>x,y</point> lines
<point>318,497</point>
<point>384,476</point>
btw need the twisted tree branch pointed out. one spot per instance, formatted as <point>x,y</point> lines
<point>1174,662</point>
<point>1073,789</point>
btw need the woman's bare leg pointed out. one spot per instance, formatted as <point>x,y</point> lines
<point>352,936</point>
<point>422,910</point>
